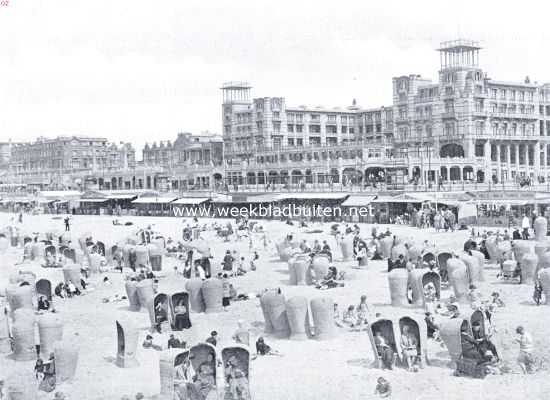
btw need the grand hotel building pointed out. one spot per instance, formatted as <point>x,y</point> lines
<point>465,127</point>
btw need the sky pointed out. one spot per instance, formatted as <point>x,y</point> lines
<point>140,71</point>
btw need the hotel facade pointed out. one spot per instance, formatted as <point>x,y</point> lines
<point>463,128</point>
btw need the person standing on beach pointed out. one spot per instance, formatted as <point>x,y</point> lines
<point>525,359</point>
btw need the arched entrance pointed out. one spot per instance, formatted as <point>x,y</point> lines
<point>273,177</point>
<point>451,150</point>
<point>309,176</point>
<point>455,174</point>
<point>375,174</point>
<point>296,177</point>
<point>443,173</point>
<point>251,178</point>
<point>334,175</point>
<point>284,177</point>
<point>351,176</point>
<point>480,176</point>
<point>261,178</point>
<point>468,173</point>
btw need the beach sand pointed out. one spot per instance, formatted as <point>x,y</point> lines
<point>308,370</point>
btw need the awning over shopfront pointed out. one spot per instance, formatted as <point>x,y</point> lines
<point>191,200</point>
<point>313,196</point>
<point>264,198</point>
<point>358,201</point>
<point>93,200</point>
<point>121,196</point>
<point>154,200</point>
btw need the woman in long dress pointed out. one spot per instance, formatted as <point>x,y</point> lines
<point>409,345</point>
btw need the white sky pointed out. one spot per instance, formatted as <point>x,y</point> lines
<point>140,71</point>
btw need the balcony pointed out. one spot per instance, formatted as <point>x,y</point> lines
<point>481,114</point>
<point>448,115</point>
<point>514,115</point>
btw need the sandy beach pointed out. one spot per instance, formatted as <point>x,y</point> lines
<point>309,370</point>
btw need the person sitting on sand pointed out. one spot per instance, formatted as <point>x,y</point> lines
<point>254,261</point>
<point>148,344</point>
<point>330,279</point>
<point>213,338</point>
<point>227,262</point>
<point>496,300</point>
<point>263,349</point>
<point>350,317</point>
<point>383,388</point>
<point>241,270</point>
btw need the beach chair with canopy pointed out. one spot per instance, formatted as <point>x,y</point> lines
<point>428,257</point>
<point>236,365</point>
<point>204,361</point>
<point>44,288</point>
<point>386,327</point>
<point>179,307</point>
<point>173,364</point>
<point>419,330</point>
<point>442,259</point>
<point>161,310</point>
<point>100,248</point>
<point>70,254</point>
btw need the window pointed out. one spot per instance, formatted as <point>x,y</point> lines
<point>331,129</point>
<point>480,127</point>
<point>290,128</point>
<point>314,117</point>
<point>503,94</point>
<point>299,118</point>
<point>299,142</point>
<point>276,115</point>
<point>344,129</point>
<point>299,128</point>
<point>290,142</point>
<point>479,105</point>
<point>493,93</point>
<point>315,128</point>
<point>331,118</point>
<point>343,120</point>
<point>428,130</point>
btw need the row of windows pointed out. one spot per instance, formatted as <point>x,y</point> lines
<point>504,108</point>
<point>512,94</point>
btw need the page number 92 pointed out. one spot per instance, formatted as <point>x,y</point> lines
<point>4,3</point>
